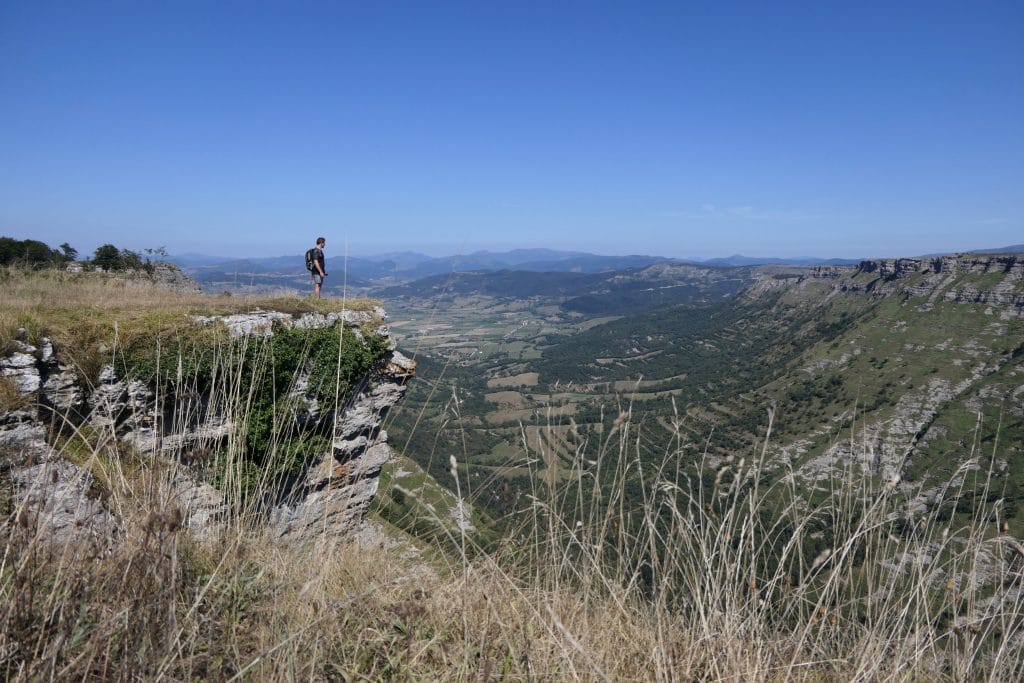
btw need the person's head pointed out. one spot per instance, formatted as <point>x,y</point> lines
<point>320,242</point>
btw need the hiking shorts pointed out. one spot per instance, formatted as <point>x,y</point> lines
<point>318,279</point>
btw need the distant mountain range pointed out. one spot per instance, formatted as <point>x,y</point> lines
<point>740,260</point>
<point>396,268</point>
<point>412,265</point>
<point>1012,249</point>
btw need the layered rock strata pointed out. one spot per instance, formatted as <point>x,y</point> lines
<point>995,280</point>
<point>330,500</point>
<point>51,499</point>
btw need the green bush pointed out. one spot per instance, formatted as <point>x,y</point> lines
<point>256,378</point>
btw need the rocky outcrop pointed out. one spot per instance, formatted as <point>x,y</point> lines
<point>170,276</point>
<point>336,493</point>
<point>55,500</point>
<point>331,499</point>
<point>892,269</point>
<point>36,372</point>
<point>261,323</point>
<point>161,273</point>
<point>827,272</point>
<point>995,280</point>
<point>51,499</point>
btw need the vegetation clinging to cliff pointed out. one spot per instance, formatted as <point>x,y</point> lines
<point>255,381</point>
<point>152,334</point>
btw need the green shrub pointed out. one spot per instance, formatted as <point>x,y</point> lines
<point>255,378</point>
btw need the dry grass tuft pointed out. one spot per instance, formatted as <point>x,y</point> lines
<point>10,398</point>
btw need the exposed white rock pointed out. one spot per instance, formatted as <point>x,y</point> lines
<point>338,489</point>
<point>53,498</point>
<point>935,279</point>
<point>261,323</point>
<point>62,391</point>
<point>338,506</point>
<point>122,406</point>
<point>20,368</point>
<point>22,439</point>
<point>354,318</point>
<point>332,499</point>
<point>203,506</point>
<point>258,323</point>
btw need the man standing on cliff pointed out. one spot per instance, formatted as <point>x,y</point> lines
<point>315,257</point>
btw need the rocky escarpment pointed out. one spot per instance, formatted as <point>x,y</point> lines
<point>909,391</point>
<point>889,440</point>
<point>994,280</point>
<point>54,495</point>
<point>336,492</point>
<point>953,265</point>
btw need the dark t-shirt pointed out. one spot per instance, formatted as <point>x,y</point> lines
<point>318,257</point>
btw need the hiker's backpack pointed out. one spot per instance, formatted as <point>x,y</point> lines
<point>309,260</point>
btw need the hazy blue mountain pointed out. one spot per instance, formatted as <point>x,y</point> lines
<point>1012,249</point>
<point>406,266</point>
<point>403,260</point>
<point>740,260</point>
<point>592,263</point>
<point>192,260</point>
<point>358,268</point>
<point>516,257</point>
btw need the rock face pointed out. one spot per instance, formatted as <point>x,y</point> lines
<point>330,500</point>
<point>262,323</point>
<point>886,444</point>
<point>36,372</point>
<point>998,279</point>
<point>171,277</point>
<point>995,280</point>
<point>52,498</point>
<point>337,491</point>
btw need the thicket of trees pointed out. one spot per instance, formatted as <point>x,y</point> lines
<point>37,255</point>
<point>33,253</point>
<point>109,257</point>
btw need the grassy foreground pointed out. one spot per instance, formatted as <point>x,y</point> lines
<point>612,578</point>
<point>722,593</point>
<point>77,310</point>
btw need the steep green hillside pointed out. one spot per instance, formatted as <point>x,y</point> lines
<point>903,370</point>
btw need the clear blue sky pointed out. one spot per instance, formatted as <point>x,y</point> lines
<point>681,129</point>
